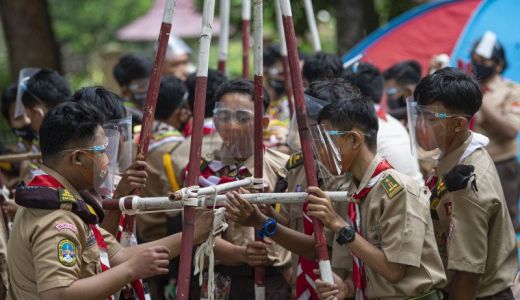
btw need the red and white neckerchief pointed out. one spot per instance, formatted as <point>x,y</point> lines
<point>380,112</point>
<point>40,178</point>
<point>213,173</point>
<point>305,277</point>
<point>358,267</point>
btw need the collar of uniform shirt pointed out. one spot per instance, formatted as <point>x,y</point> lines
<point>63,181</point>
<point>227,159</point>
<point>368,174</point>
<point>447,162</point>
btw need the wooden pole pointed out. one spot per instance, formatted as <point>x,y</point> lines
<point>311,20</point>
<point>305,137</point>
<point>285,59</point>
<point>246,17</point>
<point>151,96</point>
<point>196,144</point>
<point>14,158</point>
<point>258,135</point>
<point>223,39</point>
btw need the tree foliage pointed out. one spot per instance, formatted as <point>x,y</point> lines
<point>83,26</point>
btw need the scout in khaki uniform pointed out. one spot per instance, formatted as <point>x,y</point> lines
<point>210,140</point>
<point>234,159</point>
<point>499,116</point>
<point>391,234</point>
<point>171,114</point>
<point>473,230</point>
<point>58,250</point>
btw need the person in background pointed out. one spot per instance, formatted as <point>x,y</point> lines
<point>393,139</point>
<point>499,116</point>
<point>132,73</point>
<point>177,61</point>
<point>43,91</point>
<point>320,66</point>
<point>400,82</point>
<point>171,114</point>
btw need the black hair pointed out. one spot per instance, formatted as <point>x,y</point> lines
<point>68,125</point>
<point>130,67</point>
<point>172,94</point>
<point>215,79</point>
<point>404,73</point>
<point>46,87</point>
<point>107,102</point>
<point>451,87</point>
<point>322,66</point>
<point>241,86</point>
<point>367,78</point>
<point>8,99</point>
<point>356,113</point>
<point>498,54</point>
<point>271,55</point>
<point>332,90</point>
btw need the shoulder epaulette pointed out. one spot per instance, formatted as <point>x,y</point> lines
<point>295,160</point>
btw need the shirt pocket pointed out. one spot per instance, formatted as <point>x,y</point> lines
<point>90,261</point>
<point>374,235</point>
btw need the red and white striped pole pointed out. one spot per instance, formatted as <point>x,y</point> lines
<point>246,19</point>
<point>311,20</point>
<point>258,136</point>
<point>305,137</point>
<point>223,39</point>
<point>285,59</point>
<point>195,148</point>
<point>148,117</point>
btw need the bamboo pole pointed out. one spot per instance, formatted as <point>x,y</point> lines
<point>258,128</point>
<point>311,20</point>
<point>246,17</point>
<point>14,158</point>
<point>149,204</point>
<point>195,148</point>
<point>305,138</point>
<point>223,39</point>
<point>285,59</point>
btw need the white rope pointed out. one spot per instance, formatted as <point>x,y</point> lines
<point>206,249</point>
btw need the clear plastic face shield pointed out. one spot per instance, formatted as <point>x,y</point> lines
<point>124,154</point>
<point>313,107</point>
<point>105,163</point>
<point>24,76</point>
<point>235,126</point>
<point>428,126</point>
<point>326,151</point>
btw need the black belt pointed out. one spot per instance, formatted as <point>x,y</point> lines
<point>247,271</point>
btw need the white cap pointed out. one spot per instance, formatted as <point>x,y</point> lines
<point>176,47</point>
<point>486,45</point>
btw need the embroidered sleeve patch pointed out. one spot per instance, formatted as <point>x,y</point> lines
<point>68,226</point>
<point>391,186</point>
<point>67,252</point>
<point>66,196</point>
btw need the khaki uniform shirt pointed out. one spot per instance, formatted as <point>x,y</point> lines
<point>240,235</point>
<point>395,218</point>
<point>474,230</point>
<point>504,96</point>
<point>181,156</point>
<point>36,261</point>
<point>151,227</point>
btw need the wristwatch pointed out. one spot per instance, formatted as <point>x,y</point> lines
<point>346,234</point>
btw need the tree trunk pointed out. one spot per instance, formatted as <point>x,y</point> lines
<point>354,19</point>
<point>29,36</point>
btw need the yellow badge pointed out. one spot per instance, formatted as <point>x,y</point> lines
<point>391,186</point>
<point>66,196</point>
<point>67,252</point>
